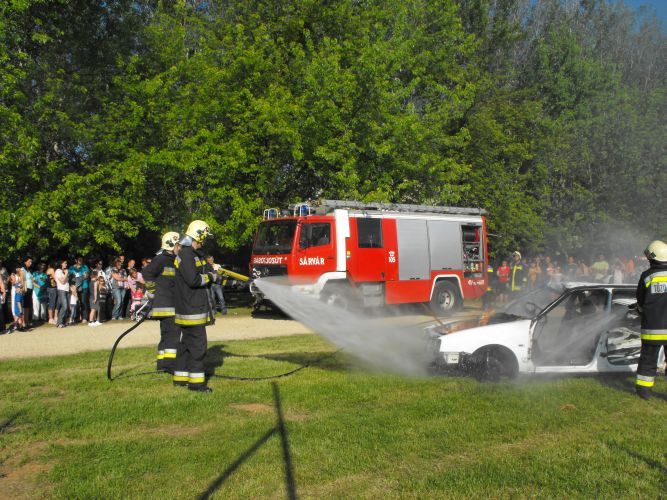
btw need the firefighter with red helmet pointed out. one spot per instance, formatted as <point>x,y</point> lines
<point>159,277</point>
<point>193,309</point>
<point>652,305</point>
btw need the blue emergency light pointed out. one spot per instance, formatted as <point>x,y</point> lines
<point>270,213</point>
<point>301,209</point>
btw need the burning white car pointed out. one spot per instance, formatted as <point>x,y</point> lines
<point>582,328</point>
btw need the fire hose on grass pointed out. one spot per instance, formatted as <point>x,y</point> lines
<point>228,377</point>
<point>115,345</point>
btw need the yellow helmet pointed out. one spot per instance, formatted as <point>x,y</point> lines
<point>170,240</point>
<point>198,230</point>
<point>656,250</point>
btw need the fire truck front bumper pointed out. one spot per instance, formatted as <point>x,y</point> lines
<point>256,292</point>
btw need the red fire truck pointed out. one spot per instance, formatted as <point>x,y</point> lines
<point>372,254</point>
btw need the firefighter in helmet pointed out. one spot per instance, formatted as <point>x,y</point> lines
<point>652,305</point>
<point>159,278</point>
<point>193,309</point>
<point>518,278</point>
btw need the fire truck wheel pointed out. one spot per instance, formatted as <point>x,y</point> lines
<point>338,295</point>
<point>446,298</point>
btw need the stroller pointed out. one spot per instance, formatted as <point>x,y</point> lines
<point>140,306</point>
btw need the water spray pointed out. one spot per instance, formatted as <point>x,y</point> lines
<point>378,344</point>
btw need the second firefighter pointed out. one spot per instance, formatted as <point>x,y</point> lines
<point>193,308</point>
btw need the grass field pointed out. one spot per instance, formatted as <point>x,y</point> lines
<point>66,432</point>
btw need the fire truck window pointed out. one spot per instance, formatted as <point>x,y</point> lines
<point>275,237</point>
<point>315,235</point>
<point>370,233</point>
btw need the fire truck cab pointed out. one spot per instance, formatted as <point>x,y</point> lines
<point>372,254</point>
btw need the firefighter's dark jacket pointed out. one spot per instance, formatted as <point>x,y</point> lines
<point>518,276</point>
<point>652,304</point>
<point>159,277</point>
<point>191,298</point>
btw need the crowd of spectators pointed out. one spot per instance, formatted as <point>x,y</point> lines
<point>549,271</point>
<point>64,293</point>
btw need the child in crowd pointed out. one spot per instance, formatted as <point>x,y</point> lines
<point>73,304</point>
<point>17,302</point>
<point>93,318</point>
<point>102,292</point>
<point>503,275</point>
<point>137,297</point>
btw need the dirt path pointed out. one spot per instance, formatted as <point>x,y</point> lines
<point>47,340</point>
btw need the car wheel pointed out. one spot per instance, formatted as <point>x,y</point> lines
<point>446,298</point>
<point>491,364</point>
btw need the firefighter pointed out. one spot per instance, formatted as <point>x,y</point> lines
<point>652,305</point>
<point>193,309</point>
<point>159,278</point>
<point>518,277</point>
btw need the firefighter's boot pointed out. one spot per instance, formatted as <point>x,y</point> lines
<point>643,392</point>
<point>201,388</point>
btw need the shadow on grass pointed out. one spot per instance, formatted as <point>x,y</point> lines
<point>281,430</point>
<point>214,358</point>
<point>648,461</point>
<point>624,383</point>
<point>216,354</point>
<point>326,361</point>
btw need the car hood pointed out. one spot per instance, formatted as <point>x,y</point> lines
<point>514,335</point>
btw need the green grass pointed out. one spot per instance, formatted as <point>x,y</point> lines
<point>72,434</point>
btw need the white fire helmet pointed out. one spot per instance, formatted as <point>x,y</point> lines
<point>170,240</point>
<point>656,250</point>
<point>198,230</point>
<point>516,254</point>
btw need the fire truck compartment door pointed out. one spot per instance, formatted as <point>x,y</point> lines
<point>413,253</point>
<point>445,244</point>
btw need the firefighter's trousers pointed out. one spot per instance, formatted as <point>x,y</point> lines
<point>190,353</point>
<point>166,348</point>
<point>648,365</point>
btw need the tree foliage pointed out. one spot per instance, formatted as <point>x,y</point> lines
<point>124,117</point>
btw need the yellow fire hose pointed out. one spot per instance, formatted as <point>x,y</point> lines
<point>231,274</point>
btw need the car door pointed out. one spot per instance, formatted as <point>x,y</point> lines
<point>315,251</point>
<point>569,332</point>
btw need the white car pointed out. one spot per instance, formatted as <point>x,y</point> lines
<point>581,328</point>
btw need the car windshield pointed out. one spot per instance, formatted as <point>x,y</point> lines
<point>275,237</point>
<point>531,303</point>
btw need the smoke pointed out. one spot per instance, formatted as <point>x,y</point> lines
<point>379,344</point>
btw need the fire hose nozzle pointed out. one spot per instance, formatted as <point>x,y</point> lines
<point>226,272</point>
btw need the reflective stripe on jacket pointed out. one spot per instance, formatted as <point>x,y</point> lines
<point>518,278</point>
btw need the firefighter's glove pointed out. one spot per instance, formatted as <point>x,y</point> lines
<point>214,278</point>
<point>150,295</point>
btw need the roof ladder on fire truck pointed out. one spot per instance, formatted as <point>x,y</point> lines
<point>326,206</point>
